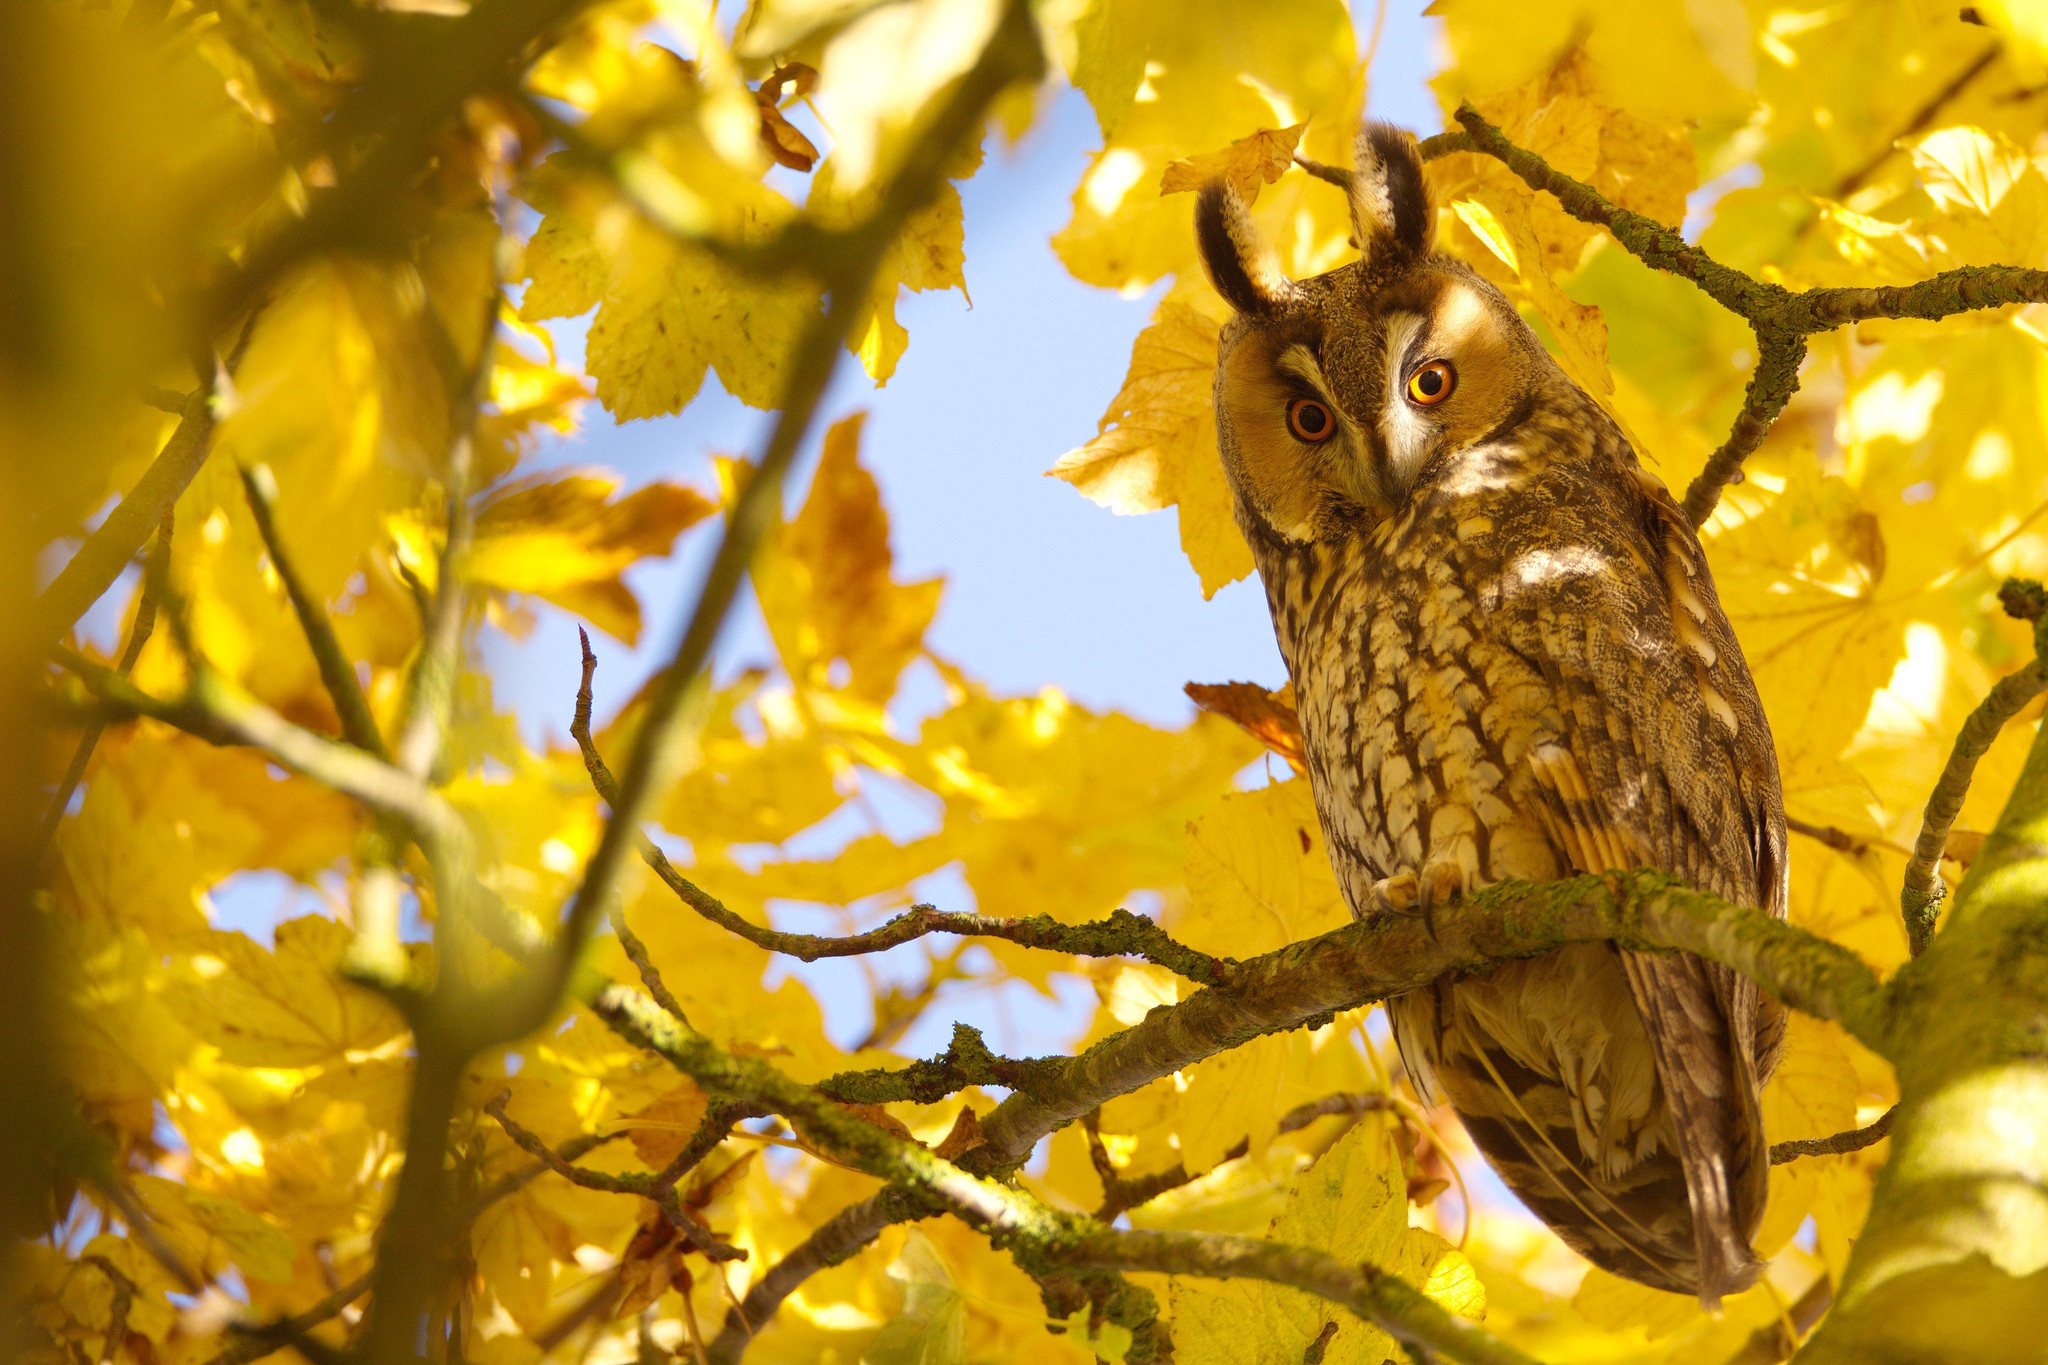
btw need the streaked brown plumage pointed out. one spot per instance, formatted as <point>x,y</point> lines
<point>1510,661</point>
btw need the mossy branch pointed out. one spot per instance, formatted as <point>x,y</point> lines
<point>966,1061</point>
<point>1309,981</point>
<point>1854,1140</point>
<point>1781,318</point>
<point>1042,1239</point>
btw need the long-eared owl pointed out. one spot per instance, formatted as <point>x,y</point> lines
<point>1510,662</point>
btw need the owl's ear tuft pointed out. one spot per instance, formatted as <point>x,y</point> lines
<point>1390,208</point>
<point>1244,269</point>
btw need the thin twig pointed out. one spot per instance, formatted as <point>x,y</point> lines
<point>1011,54</point>
<point>254,1342</point>
<point>112,546</point>
<point>138,636</point>
<point>1120,934</point>
<point>659,1188</point>
<point>1922,118</point>
<point>1119,1194</point>
<point>1855,1140</point>
<point>1920,898</point>
<point>358,725</point>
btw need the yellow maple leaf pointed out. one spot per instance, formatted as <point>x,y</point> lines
<point>563,538</point>
<point>1156,445</point>
<point>1353,1204</point>
<point>1246,164</point>
<point>827,584</point>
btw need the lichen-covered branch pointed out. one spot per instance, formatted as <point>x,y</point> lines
<point>1854,1140</point>
<point>1781,318</point>
<point>1119,934</point>
<point>1920,897</point>
<point>965,1062</point>
<point>1311,980</point>
<point>1041,1238</point>
<point>1770,389</point>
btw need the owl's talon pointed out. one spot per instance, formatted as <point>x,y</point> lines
<point>1440,884</point>
<point>1393,895</point>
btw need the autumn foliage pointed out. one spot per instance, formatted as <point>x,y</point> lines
<point>524,1079</point>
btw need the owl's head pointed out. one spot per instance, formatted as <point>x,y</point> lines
<point>1338,396</point>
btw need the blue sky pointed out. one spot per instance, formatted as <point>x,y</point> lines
<point>1043,586</point>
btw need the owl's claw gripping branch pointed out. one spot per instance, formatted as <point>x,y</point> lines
<point>1781,318</point>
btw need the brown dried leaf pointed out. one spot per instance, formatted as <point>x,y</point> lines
<point>661,1129</point>
<point>784,141</point>
<point>1246,163</point>
<point>1963,846</point>
<point>963,1137</point>
<point>652,1263</point>
<point>881,1118</point>
<point>1268,717</point>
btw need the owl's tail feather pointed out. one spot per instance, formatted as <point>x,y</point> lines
<point>1706,1070</point>
<point>1625,1208</point>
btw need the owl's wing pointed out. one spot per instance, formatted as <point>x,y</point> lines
<point>1662,758</point>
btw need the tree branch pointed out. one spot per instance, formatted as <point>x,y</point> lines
<point>1040,1238</point>
<point>138,636</point>
<point>255,1341</point>
<point>1119,1195</point>
<point>1313,979</point>
<point>114,542</point>
<point>1120,934</point>
<point>1855,1140</point>
<point>215,710</point>
<point>1011,54</point>
<point>838,1239</point>
<point>1920,898</point>
<point>659,1187</point>
<point>966,1061</point>
<point>358,725</point>
<point>1781,318</point>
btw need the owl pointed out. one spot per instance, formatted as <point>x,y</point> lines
<point>1510,662</point>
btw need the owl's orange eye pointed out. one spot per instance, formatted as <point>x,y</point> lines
<point>1310,420</point>
<point>1432,384</point>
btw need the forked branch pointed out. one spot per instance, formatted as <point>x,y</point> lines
<point>1781,318</point>
<point>1042,1239</point>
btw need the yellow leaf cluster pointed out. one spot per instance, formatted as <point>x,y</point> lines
<point>252,1099</point>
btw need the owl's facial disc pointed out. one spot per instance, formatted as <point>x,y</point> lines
<point>1452,368</point>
